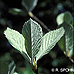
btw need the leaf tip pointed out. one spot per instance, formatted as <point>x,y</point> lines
<point>6,30</point>
<point>30,19</point>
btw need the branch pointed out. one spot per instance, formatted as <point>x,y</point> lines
<point>34,17</point>
<point>71,60</point>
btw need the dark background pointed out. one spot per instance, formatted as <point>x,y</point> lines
<point>46,11</point>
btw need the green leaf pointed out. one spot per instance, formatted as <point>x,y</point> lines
<point>60,19</point>
<point>3,67</point>
<point>67,40</point>
<point>32,33</point>
<point>68,17</point>
<point>64,17</point>
<point>61,43</point>
<point>17,11</point>
<point>17,41</point>
<point>29,4</point>
<point>49,40</point>
<point>66,43</point>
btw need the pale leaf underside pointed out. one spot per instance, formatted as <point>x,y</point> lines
<point>29,4</point>
<point>16,40</point>
<point>32,33</point>
<point>49,40</point>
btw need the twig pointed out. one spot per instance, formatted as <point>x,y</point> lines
<point>71,60</point>
<point>34,66</point>
<point>41,23</point>
<point>36,72</point>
